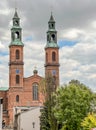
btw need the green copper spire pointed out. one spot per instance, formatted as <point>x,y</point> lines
<point>16,14</point>
<point>16,19</point>
<point>51,18</point>
<point>51,34</point>
<point>16,31</point>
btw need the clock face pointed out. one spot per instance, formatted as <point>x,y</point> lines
<point>53,72</point>
<point>17,71</point>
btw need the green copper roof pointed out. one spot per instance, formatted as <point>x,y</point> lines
<point>51,30</point>
<point>3,88</point>
<point>51,18</point>
<point>16,14</point>
<point>52,44</point>
<point>16,27</point>
<point>17,42</point>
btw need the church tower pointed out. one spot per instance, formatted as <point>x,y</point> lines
<point>16,54</point>
<point>52,52</point>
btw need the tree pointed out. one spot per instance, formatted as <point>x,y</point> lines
<point>47,118</point>
<point>44,119</point>
<point>89,121</point>
<point>72,105</point>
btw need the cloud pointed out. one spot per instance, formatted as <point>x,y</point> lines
<point>78,62</point>
<point>1,45</point>
<point>72,34</point>
<point>34,57</point>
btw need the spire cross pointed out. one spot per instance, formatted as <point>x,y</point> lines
<point>51,10</point>
<point>15,9</point>
<point>35,67</point>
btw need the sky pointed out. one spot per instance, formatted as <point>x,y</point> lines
<point>76,27</point>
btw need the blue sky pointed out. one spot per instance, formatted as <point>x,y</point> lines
<point>4,53</point>
<point>28,39</point>
<point>63,43</point>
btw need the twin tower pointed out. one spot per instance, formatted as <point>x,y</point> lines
<point>16,63</point>
<point>22,91</point>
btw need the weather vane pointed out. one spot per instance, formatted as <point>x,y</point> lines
<point>51,9</point>
<point>35,67</point>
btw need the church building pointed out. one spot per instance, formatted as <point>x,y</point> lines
<point>24,92</point>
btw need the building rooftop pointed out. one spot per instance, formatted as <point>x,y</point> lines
<point>52,44</point>
<point>3,88</point>
<point>17,42</point>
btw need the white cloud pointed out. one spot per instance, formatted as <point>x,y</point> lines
<point>4,12</point>
<point>78,62</point>
<point>33,57</point>
<point>1,45</point>
<point>72,33</point>
<point>93,24</point>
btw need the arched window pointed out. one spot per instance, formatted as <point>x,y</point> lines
<point>17,79</point>
<point>16,35</point>
<point>53,56</point>
<point>17,54</point>
<point>46,57</point>
<point>49,25</point>
<point>35,91</point>
<point>17,98</point>
<point>16,22</point>
<point>48,38</point>
<point>53,38</point>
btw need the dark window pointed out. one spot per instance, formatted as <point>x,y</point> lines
<point>17,98</point>
<point>52,25</point>
<point>16,22</point>
<point>3,123</point>
<point>17,79</point>
<point>48,38</point>
<point>49,26</point>
<point>33,124</point>
<point>16,35</point>
<point>53,37</point>
<point>17,54</point>
<point>46,57</point>
<point>53,56</point>
<point>35,92</point>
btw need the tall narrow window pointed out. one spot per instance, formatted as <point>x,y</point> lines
<point>33,124</point>
<point>17,98</point>
<point>17,54</point>
<point>17,79</point>
<point>52,25</point>
<point>53,56</point>
<point>35,91</point>
<point>16,35</point>
<point>46,57</point>
<point>53,37</point>
<point>48,38</point>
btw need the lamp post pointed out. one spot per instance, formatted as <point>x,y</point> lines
<point>1,107</point>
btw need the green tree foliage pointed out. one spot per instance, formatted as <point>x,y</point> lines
<point>89,122</point>
<point>44,119</point>
<point>72,105</point>
<point>47,118</point>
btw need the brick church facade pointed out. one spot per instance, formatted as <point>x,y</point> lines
<point>24,92</point>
